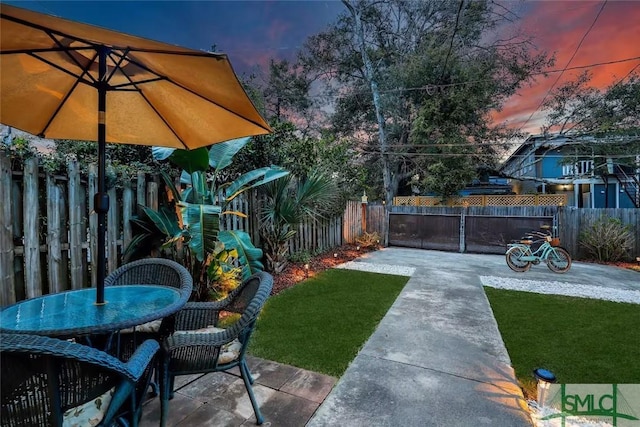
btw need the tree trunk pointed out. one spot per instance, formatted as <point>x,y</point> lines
<point>389,189</point>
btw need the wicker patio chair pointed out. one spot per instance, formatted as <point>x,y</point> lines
<point>150,271</point>
<point>200,345</point>
<point>51,382</point>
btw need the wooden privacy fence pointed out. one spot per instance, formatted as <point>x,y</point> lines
<point>573,221</point>
<point>48,230</point>
<point>489,229</point>
<point>360,217</point>
<point>485,200</point>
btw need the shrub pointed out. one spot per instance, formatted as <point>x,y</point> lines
<point>368,240</point>
<point>301,257</point>
<point>607,240</point>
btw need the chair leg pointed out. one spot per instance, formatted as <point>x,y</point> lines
<point>248,380</point>
<point>163,384</point>
<point>246,367</point>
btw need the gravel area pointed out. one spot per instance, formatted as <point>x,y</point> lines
<point>562,288</point>
<point>378,268</point>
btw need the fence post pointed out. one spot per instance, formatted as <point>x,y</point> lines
<point>7,253</point>
<point>127,212</point>
<point>31,211</point>
<point>463,215</point>
<point>113,226</point>
<point>54,255</point>
<point>75,225</point>
<point>92,186</point>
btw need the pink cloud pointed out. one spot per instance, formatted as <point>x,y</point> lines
<point>559,27</point>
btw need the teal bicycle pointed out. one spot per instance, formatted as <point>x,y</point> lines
<point>521,255</point>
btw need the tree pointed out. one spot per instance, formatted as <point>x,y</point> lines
<point>391,63</point>
<point>607,121</point>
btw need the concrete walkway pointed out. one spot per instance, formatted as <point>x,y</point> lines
<point>437,358</point>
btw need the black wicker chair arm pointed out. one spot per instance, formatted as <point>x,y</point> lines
<point>216,339</point>
<point>139,361</point>
<point>133,369</point>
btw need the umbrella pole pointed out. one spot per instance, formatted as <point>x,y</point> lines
<point>101,198</point>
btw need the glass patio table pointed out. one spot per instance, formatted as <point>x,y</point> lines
<point>75,313</point>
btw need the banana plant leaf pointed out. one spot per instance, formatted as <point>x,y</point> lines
<point>203,225</point>
<point>248,255</point>
<point>252,179</point>
<point>197,192</point>
<point>189,160</point>
<point>221,155</point>
<point>169,183</point>
<point>165,220</point>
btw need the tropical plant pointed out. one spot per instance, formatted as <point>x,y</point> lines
<point>189,224</point>
<point>287,202</point>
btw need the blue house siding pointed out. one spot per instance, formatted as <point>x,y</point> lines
<point>551,165</point>
<point>625,201</point>
<point>599,196</point>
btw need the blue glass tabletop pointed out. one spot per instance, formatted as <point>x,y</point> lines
<point>76,311</point>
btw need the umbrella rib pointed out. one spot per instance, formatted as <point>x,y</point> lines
<point>140,82</point>
<point>134,84</point>
<point>216,103</point>
<point>117,63</point>
<point>64,100</point>
<point>64,70</point>
<point>78,80</point>
<point>41,50</point>
<point>68,53</point>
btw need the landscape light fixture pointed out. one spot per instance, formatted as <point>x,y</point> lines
<point>544,378</point>
<point>306,270</point>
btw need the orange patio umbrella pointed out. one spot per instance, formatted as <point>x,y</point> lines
<point>61,79</point>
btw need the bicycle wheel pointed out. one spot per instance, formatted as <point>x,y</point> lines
<point>514,262</point>
<point>559,260</point>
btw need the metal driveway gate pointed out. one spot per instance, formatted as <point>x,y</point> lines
<point>483,230</point>
<point>425,231</point>
<point>491,234</point>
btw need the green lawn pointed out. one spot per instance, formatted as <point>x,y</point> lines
<point>580,340</point>
<point>321,323</point>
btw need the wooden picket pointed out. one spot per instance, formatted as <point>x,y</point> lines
<point>7,253</point>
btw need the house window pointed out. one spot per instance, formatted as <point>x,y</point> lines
<point>583,167</point>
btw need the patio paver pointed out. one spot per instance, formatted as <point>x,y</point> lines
<point>288,396</point>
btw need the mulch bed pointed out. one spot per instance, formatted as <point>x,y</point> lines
<point>294,273</point>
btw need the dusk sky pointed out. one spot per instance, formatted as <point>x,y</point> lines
<point>252,32</point>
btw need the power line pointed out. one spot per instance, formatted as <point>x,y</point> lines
<point>566,66</point>
<point>492,155</point>
<point>435,87</point>
<point>453,36</point>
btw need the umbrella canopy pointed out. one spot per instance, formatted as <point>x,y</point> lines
<point>67,80</point>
